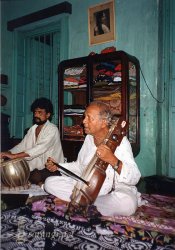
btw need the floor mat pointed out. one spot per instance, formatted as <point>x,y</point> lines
<point>46,226</point>
<point>157,215</point>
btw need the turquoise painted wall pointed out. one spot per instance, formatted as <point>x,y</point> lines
<point>136,33</point>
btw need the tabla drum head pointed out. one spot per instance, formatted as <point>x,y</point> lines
<point>14,173</point>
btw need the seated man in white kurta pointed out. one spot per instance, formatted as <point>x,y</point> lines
<point>118,194</point>
<point>41,141</point>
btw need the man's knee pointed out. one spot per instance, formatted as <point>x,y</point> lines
<point>35,177</point>
<point>47,184</point>
<point>129,207</point>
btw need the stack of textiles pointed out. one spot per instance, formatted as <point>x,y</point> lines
<point>75,130</point>
<point>75,77</point>
<point>73,111</point>
<point>108,73</point>
<point>107,85</point>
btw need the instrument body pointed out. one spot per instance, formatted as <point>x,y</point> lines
<point>14,173</point>
<point>95,173</point>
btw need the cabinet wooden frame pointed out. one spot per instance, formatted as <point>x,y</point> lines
<point>95,15</point>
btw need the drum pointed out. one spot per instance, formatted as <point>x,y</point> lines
<point>14,173</point>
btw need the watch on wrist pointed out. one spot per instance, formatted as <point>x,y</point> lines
<point>116,167</point>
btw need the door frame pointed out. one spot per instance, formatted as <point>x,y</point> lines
<point>64,52</point>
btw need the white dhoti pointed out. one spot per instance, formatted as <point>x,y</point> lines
<point>124,200</point>
<point>119,202</point>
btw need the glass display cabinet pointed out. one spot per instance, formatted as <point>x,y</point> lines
<point>113,78</point>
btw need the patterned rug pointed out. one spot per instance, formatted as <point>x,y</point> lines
<point>42,225</point>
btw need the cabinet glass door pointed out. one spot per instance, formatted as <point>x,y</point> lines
<point>74,101</point>
<point>133,105</point>
<point>113,78</point>
<point>107,87</point>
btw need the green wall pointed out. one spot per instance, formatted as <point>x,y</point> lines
<point>137,26</point>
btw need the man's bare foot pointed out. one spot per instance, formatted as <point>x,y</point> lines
<point>59,202</point>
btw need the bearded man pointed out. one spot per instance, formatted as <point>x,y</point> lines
<point>41,141</point>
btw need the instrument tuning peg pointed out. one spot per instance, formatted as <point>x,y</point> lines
<point>123,124</point>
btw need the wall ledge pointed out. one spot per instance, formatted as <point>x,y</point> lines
<point>64,7</point>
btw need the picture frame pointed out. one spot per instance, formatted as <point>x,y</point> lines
<point>101,23</point>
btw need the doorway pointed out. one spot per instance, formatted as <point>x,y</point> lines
<point>37,55</point>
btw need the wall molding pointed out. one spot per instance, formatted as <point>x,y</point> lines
<point>64,7</point>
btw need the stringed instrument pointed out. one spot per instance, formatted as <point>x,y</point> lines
<point>84,195</point>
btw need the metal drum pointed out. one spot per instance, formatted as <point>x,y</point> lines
<point>14,173</point>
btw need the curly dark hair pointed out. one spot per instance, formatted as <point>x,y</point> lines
<point>43,103</point>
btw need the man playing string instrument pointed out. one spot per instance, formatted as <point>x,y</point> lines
<point>118,194</point>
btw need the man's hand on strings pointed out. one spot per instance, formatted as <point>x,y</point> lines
<point>105,154</point>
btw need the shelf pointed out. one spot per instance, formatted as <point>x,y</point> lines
<point>73,138</point>
<point>75,89</point>
<point>74,106</point>
<point>73,114</point>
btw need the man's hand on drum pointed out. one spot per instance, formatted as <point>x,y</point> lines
<point>50,165</point>
<point>7,155</point>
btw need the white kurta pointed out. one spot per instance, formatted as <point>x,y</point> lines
<point>48,144</point>
<point>124,200</point>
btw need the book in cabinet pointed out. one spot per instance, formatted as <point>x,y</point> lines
<point>113,78</point>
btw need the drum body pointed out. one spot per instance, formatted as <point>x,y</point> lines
<point>14,173</point>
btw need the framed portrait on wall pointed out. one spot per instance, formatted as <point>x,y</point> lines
<point>101,23</point>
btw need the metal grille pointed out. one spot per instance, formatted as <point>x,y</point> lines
<point>42,56</point>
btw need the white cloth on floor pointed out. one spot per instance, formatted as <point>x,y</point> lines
<point>33,190</point>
